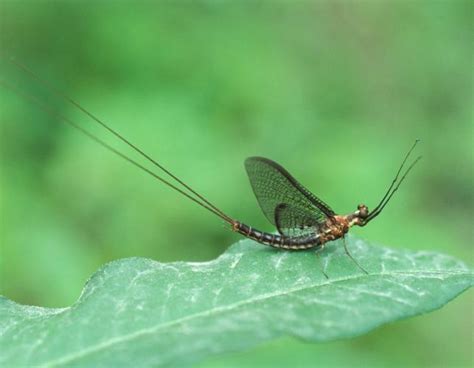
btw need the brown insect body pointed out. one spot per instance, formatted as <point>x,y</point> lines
<point>304,221</point>
<point>338,226</point>
<point>335,227</point>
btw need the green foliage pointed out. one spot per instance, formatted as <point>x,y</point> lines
<point>150,314</point>
<point>334,91</point>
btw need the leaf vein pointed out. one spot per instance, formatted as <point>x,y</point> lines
<point>146,331</point>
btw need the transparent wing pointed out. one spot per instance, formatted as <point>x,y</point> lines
<point>295,222</point>
<point>274,186</point>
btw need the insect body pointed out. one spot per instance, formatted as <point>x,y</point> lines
<point>303,220</point>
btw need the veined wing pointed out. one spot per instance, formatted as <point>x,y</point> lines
<point>295,222</point>
<point>284,201</point>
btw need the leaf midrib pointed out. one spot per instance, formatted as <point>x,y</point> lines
<point>145,331</point>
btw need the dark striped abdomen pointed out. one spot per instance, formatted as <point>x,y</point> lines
<point>276,240</point>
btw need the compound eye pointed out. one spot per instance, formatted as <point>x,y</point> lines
<point>363,210</point>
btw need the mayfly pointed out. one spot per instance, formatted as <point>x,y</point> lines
<point>303,220</point>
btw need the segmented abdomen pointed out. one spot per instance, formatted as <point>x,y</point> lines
<point>276,240</point>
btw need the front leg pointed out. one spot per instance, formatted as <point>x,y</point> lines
<point>321,264</point>
<point>352,258</point>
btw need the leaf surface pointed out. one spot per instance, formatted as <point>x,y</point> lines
<point>142,312</point>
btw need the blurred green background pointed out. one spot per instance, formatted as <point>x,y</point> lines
<point>335,91</point>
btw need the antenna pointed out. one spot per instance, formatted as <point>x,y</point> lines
<point>388,195</point>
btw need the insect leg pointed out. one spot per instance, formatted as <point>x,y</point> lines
<point>321,263</point>
<point>349,255</point>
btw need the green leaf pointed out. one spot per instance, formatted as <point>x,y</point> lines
<point>141,312</point>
